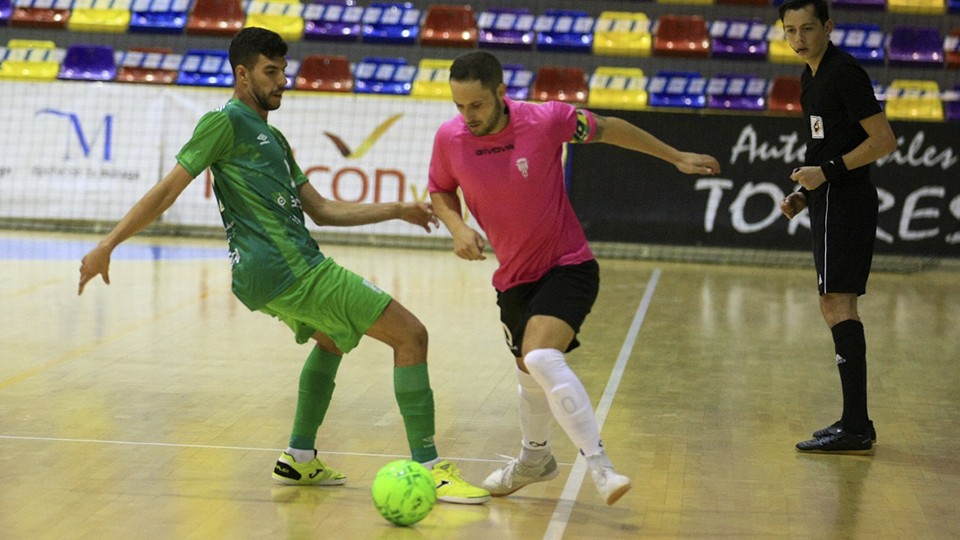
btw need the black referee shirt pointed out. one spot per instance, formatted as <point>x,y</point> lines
<point>834,102</point>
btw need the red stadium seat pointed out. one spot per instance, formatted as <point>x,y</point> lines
<point>325,73</point>
<point>54,15</point>
<point>449,26</point>
<point>148,65</point>
<point>681,35</point>
<point>785,95</point>
<point>216,18</point>
<point>553,83</point>
<point>951,48</point>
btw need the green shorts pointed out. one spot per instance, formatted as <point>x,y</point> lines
<point>332,300</point>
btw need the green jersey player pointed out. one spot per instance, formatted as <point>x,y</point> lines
<point>278,268</point>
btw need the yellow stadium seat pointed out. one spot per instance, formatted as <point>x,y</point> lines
<point>284,17</point>
<point>924,7</point>
<point>914,100</point>
<point>780,51</point>
<point>105,16</point>
<point>617,88</point>
<point>620,33</point>
<point>433,79</point>
<point>31,60</point>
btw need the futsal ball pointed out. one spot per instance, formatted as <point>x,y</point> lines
<point>404,492</point>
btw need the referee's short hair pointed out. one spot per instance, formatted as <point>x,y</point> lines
<point>820,7</point>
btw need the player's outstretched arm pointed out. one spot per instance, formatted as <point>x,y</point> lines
<point>619,132</point>
<point>325,211</point>
<point>154,203</point>
<point>467,243</point>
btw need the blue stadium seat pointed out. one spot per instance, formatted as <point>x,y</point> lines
<point>916,46</point>
<point>953,6</point>
<point>951,104</point>
<point>205,68</point>
<point>384,76</point>
<point>518,80</point>
<point>88,63</point>
<point>737,92</point>
<point>564,30</point>
<point>871,5</point>
<point>159,16</point>
<point>6,10</point>
<point>397,23</point>
<point>506,28</point>
<point>681,89</point>
<point>865,42</point>
<point>740,39</point>
<point>148,65</point>
<point>332,21</point>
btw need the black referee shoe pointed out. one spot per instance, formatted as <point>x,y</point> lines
<point>840,443</point>
<point>836,428</point>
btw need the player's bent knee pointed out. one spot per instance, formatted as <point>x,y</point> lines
<point>540,362</point>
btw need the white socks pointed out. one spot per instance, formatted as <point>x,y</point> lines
<point>301,456</point>
<point>536,420</point>
<point>567,398</point>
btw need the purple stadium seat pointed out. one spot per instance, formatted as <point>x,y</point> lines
<point>741,39</point>
<point>951,103</point>
<point>518,79</point>
<point>871,5</point>
<point>916,46</point>
<point>6,9</point>
<point>506,28</point>
<point>332,20</point>
<point>865,42</point>
<point>737,92</point>
<point>88,63</point>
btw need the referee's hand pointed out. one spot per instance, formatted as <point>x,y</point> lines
<point>793,204</point>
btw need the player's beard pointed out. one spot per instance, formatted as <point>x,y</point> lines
<point>487,127</point>
<point>263,99</point>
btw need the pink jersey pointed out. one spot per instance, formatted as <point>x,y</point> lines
<point>513,184</point>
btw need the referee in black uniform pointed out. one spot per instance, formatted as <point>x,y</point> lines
<point>848,131</point>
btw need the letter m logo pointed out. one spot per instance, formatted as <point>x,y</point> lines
<point>75,134</point>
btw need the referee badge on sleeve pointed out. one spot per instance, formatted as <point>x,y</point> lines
<point>816,127</point>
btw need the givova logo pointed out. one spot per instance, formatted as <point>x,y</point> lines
<point>84,139</point>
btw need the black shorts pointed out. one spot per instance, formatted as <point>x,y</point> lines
<point>843,223</point>
<point>565,292</point>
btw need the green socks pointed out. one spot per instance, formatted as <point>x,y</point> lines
<point>415,398</point>
<point>316,388</point>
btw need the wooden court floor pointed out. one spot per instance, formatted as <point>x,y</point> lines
<point>155,407</point>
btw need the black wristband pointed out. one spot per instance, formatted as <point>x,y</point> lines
<point>834,169</point>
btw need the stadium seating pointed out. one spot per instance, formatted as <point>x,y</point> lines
<point>159,16</point>
<point>677,89</point>
<point>205,68</point>
<point>6,10</point>
<point>52,14</point>
<point>397,23</point>
<point>779,50</point>
<point>88,63</point>
<point>31,60</point>
<point>102,16</point>
<point>282,16</point>
<point>325,73</point>
<point>924,7</point>
<point>216,18</point>
<point>785,95</point>
<point>681,35</point>
<point>914,100</point>
<point>148,65</point>
<point>951,104</point>
<point>564,31</point>
<point>686,2</point>
<point>867,5</point>
<point>951,48</point>
<point>744,2</point>
<point>619,33</point>
<point>738,39</point>
<point>617,88</point>
<point>518,80</point>
<point>449,26</point>
<point>865,42</point>
<point>916,46</point>
<point>506,28</point>
<point>384,76</point>
<point>737,92</point>
<point>332,21</point>
<point>559,83</point>
<point>953,6</point>
<point>433,79</point>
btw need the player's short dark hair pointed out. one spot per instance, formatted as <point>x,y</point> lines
<point>478,66</point>
<point>249,43</point>
<point>820,7</point>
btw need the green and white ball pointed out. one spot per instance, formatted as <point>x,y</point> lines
<point>404,492</point>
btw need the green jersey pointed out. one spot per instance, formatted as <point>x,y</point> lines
<point>255,179</point>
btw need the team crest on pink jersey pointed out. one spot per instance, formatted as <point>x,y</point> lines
<point>523,167</point>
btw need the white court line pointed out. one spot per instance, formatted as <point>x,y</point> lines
<point>561,514</point>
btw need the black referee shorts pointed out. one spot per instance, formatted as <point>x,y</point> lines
<point>843,223</point>
<point>565,292</point>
